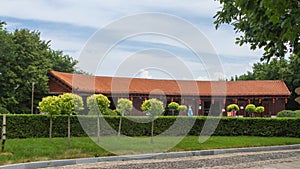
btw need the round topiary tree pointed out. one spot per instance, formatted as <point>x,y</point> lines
<point>98,104</point>
<point>124,107</point>
<point>50,105</point>
<point>69,104</point>
<point>250,108</point>
<point>260,110</point>
<point>152,107</point>
<point>233,108</point>
<point>173,106</point>
<point>182,109</point>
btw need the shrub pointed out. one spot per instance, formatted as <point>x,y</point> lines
<point>27,126</point>
<point>124,106</point>
<point>153,106</point>
<point>50,105</point>
<point>3,110</point>
<point>260,109</point>
<point>110,112</point>
<point>182,108</point>
<point>70,103</point>
<point>288,113</point>
<point>232,107</point>
<point>98,102</point>
<point>297,113</point>
<point>250,108</point>
<point>173,105</point>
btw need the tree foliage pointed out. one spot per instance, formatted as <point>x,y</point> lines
<point>98,103</point>
<point>70,103</point>
<point>278,69</point>
<point>173,105</point>
<point>232,107</point>
<point>67,103</point>
<point>260,109</point>
<point>50,105</point>
<point>25,59</point>
<point>61,62</point>
<point>153,106</point>
<point>182,108</point>
<point>4,110</point>
<point>124,106</point>
<point>250,108</point>
<point>274,70</point>
<point>271,25</point>
<point>288,113</point>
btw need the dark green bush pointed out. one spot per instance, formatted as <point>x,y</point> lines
<point>26,126</point>
<point>289,113</point>
<point>3,110</point>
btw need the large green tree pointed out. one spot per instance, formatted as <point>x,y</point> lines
<point>61,62</point>
<point>278,69</point>
<point>268,24</point>
<point>8,78</point>
<point>31,64</point>
<point>26,59</point>
<point>274,70</point>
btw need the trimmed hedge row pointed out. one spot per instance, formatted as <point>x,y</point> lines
<point>27,126</point>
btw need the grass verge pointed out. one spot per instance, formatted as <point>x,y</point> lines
<point>39,149</point>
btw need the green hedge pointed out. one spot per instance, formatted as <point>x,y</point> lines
<point>26,126</point>
<point>289,113</point>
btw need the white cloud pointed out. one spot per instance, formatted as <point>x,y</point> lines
<point>97,14</point>
<point>144,74</point>
<point>203,78</point>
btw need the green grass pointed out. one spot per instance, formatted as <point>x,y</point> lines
<point>39,149</point>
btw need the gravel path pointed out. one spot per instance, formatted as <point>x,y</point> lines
<point>287,159</point>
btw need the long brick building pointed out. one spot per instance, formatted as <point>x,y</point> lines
<point>204,97</point>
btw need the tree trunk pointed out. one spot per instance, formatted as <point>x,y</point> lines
<point>120,125</point>
<point>98,127</point>
<point>69,131</point>
<point>50,129</point>
<point>152,130</point>
<point>3,132</point>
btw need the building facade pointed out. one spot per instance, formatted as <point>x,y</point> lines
<point>204,97</point>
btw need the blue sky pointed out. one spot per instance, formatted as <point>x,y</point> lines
<point>71,24</point>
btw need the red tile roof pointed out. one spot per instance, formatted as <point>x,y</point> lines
<point>118,85</point>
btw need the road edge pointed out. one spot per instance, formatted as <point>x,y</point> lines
<point>64,162</point>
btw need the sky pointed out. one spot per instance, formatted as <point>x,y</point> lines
<point>171,50</point>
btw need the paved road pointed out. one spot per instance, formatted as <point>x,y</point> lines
<point>284,159</point>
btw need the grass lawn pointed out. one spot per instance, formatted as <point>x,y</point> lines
<point>38,149</point>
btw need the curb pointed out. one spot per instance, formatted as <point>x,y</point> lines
<point>56,163</point>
